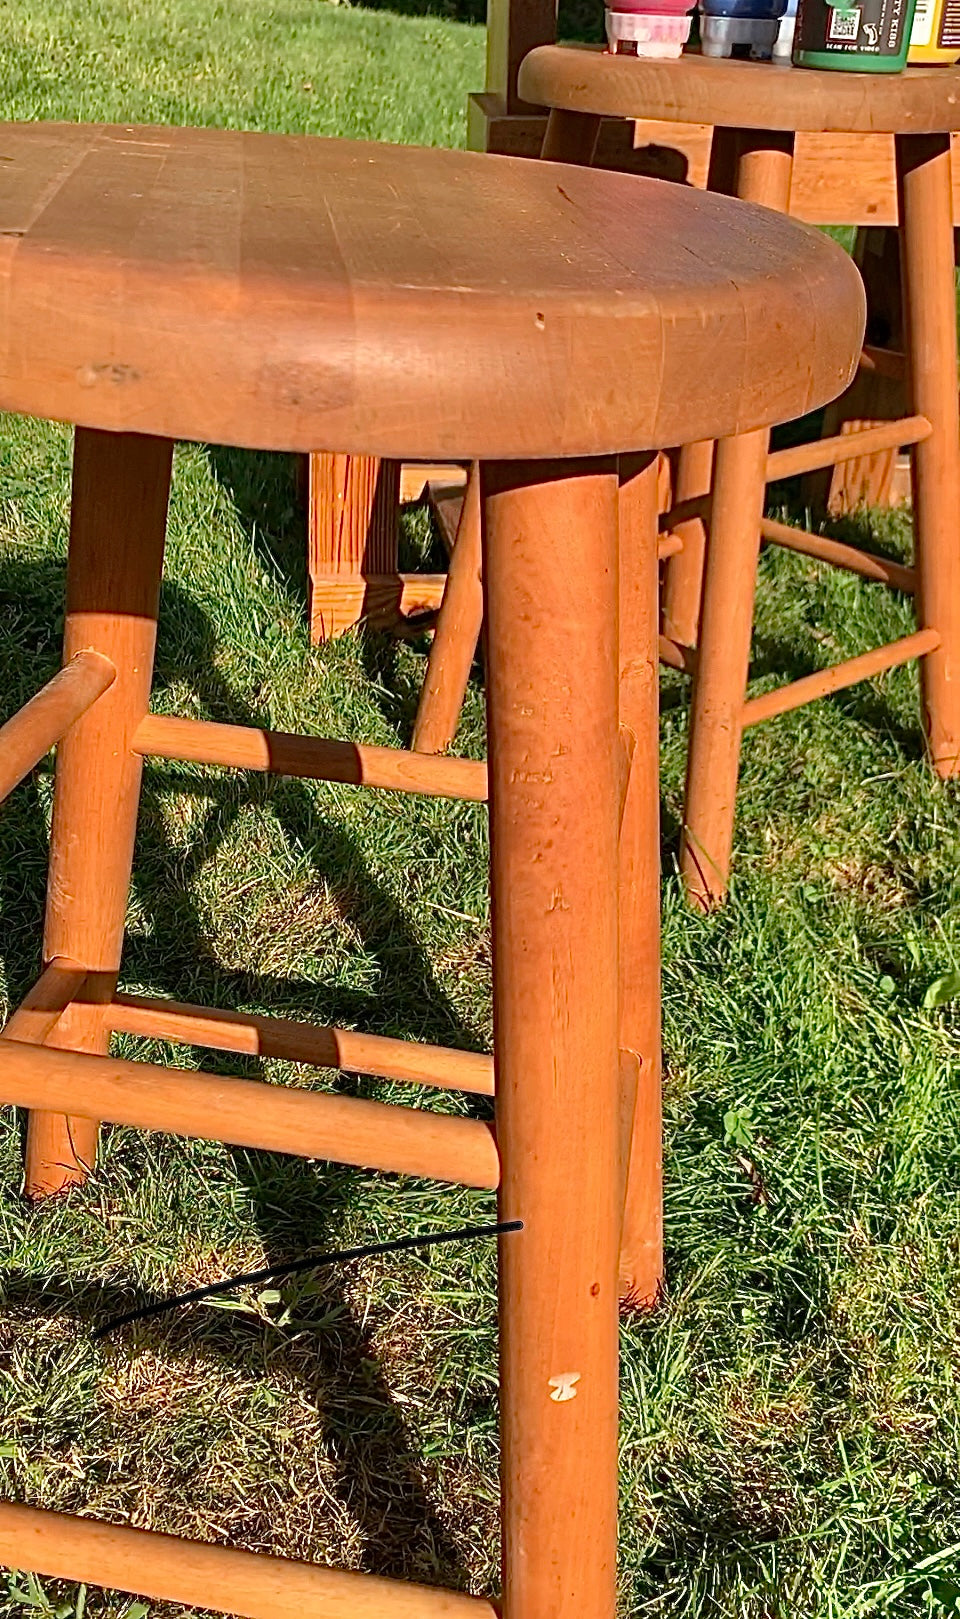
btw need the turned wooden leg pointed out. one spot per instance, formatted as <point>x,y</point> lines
<point>458,630</point>
<point>641,1248</point>
<point>550,566</point>
<point>764,172</point>
<point>570,137</point>
<point>930,333</point>
<point>723,659</point>
<point>683,572</point>
<point>118,518</point>
<point>352,541</point>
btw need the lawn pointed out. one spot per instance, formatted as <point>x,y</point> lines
<point>791,1415</point>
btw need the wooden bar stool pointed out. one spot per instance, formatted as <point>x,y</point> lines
<point>756,111</point>
<point>281,292</point>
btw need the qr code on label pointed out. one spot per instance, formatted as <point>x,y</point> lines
<point>844,25</point>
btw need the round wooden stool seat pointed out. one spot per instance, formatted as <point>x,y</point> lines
<point>297,293</point>
<point>742,95</point>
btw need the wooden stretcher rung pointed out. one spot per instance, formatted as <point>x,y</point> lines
<point>830,452</point>
<point>682,512</point>
<point>301,1042</point>
<point>244,747</point>
<point>668,545</point>
<point>44,1005</point>
<point>881,569</point>
<point>883,362</point>
<point>255,1585</point>
<point>39,725</point>
<point>825,681</point>
<point>250,1113</point>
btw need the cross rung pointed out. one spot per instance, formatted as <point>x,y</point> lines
<point>881,569</point>
<point>825,681</point>
<point>668,545</point>
<point>883,362</point>
<point>39,725</point>
<point>246,748</point>
<point>683,512</point>
<point>830,452</point>
<point>44,1005</point>
<point>250,1113</point>
<point>301,1042</point>
<point>252,1584</point>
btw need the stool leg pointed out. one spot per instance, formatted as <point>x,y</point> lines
<point>930,332</point>
<point>118,517</point>
<point>723,659</point>
<point>641,1247</point>
<point>570,137</point>
<point>683,573</point>
<point>550,567</point>
<point>764,169</point>
<point>455,639</point>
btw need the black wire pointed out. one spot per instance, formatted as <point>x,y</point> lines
<point>309,1262</point>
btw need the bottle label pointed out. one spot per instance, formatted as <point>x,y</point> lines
<point>871,28</point>
<point>922,31</point>
<point>950,26</point>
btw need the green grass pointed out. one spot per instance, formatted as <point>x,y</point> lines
<point>791,1414</point>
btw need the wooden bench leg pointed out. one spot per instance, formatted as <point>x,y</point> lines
<point>930,331</point>
<point>551,598</point>
<point>118,521</point>
<point>352,542</point>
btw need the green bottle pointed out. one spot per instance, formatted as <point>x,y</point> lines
<point>856,36</point>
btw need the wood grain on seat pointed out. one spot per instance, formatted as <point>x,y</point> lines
<point>743,95</point>
<point>291,292</point>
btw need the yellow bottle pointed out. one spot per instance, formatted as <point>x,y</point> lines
<point>935,36</point>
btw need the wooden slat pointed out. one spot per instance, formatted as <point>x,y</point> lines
<point>825,681</point>
<point>302,1042</point>
<point>44,1005</point>
<point>317,758</point>
<point>39,725</point>
<point>257,1586</point>
<point>826,452</point>
<point>881,569</point>
<point>249,1113</point>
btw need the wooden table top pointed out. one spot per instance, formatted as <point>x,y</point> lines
<point>287,292</point>
<point>743,95</point>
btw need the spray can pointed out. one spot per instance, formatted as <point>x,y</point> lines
<point>648,28</point>
<point>747,28</point>
<point>859,36</point>
<point>783,46</point>
<point>935,36</point>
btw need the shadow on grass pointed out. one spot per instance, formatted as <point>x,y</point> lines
<point>298,1206</point>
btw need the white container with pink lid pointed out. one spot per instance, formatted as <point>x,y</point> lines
<point>650,28</point>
